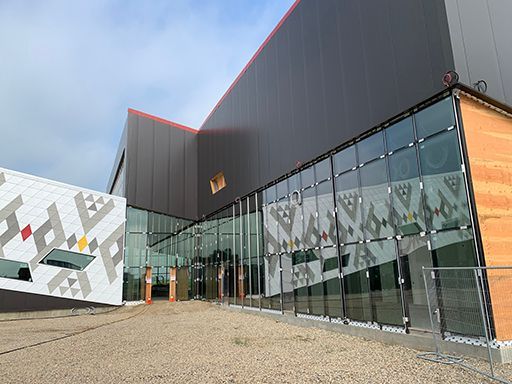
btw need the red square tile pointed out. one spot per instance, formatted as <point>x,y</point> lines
<point>26,232</point>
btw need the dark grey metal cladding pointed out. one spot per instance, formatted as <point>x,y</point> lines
<point>480,35</point>
<point>161,167</point>
<point>332,71</point>
<point>117,161</point>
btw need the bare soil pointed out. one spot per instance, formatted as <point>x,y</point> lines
<point>202,343</point>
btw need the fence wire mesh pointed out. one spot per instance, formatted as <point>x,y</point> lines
<point>470,305</point>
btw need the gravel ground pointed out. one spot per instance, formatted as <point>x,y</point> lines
<point>200,342</point>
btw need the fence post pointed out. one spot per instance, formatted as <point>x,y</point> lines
<point>430,313</point>
<point>477,273</point>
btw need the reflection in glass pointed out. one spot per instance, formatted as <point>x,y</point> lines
<point>282,189</point>
<point>10,269</point>
<point>67,259</point>
<point>311,237</point>
<point>445,193</point>
<point>307,177</point>
<point>323,170</point>
<point>399,134</point>
<point>348,207</point>
<point>414,255</point>
<point>287,281</point>
<point>457,289</point>
<point>270,228</point>
<point>345,160</point>
<point>384,287</point>
<point>300,282</point>
<point>376,206</point>
<point>435,118</point>
<point>355,282</point>
<point>326,223</point>
<point>315,285</point>
<point>331,279</point>
<point>272,282</point>
<point>371,147</point>
<point>405,186</point>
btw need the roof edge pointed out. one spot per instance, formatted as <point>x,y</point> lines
<point>163,121</point>
<point>251,61</point>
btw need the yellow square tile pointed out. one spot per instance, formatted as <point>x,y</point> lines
<point>82,243</point>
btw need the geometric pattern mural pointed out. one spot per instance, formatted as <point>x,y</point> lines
<point>290,227</point>
<point>39,215</point>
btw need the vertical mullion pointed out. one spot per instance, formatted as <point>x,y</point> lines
<point>241,272</point>
<point>234,255</point>
<point>363,243</point>
<point>395,241</point>
<point>338,251</point>
<point>248,243</point>
<point>258,250</point>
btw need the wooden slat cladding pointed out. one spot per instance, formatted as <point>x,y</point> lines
<point>488,136</point>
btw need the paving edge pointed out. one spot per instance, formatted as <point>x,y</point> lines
<point>421,342</point>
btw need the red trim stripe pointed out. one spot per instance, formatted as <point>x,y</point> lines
<point>262,46</point>
<point>164,121</point>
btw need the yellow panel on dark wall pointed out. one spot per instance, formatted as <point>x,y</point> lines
<point>488,136</point>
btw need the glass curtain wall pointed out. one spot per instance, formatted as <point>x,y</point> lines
<point>346,237</point>
<point>161,242</point>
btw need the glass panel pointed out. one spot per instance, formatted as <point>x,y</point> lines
<point>307,177</point>
<point>287,279</point>
<point>281,214</point>
<point>135,250</point>
<point>238,270</point>
<point>133,283</point>
<point>376,207</point>
<point>282,189</point>
<point>272,282</point>
<point>414,255</point>
<point>67,259</point>
<point>399,134</point>
<point>345,159</point>
<point>348,207</point>
<point>296,222</point>
<point>456,249</point>
<point>245,293</point>
<point>445,193</point>
<point>300,284</point>
<point>294,183</point>
<point>371,147</point>
<point>355,282</point>
<point>384,287</point>
<point>315,284</point>
<point>136,220</point>
<point>331,279</point>
<point>323,170</point>
<point>407,198</point>
<point>435,118</point>
<point>311,236</point>
<point>270,228</point>
<point>326,223</point>
<point>11,269</point>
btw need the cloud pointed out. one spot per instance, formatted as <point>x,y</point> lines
<point>69,71</point>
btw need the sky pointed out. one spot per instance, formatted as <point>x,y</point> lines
<point>69,70</point>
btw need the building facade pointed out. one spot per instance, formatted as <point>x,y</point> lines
<point>336,166</point>
<point>60,246</point>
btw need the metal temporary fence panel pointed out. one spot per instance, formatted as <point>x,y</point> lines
<point>465,307</point>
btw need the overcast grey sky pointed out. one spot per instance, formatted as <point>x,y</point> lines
<point>70,69</point>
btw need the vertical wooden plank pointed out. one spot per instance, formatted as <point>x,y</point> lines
<point>488,136</point>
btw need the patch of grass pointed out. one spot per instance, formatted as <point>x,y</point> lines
<point>242,341</point>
